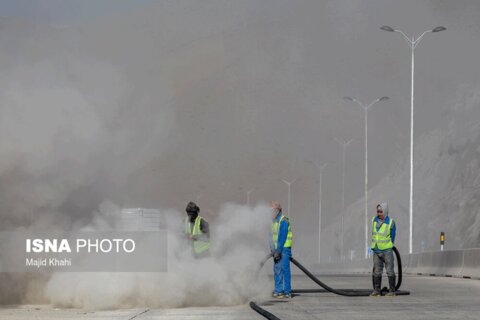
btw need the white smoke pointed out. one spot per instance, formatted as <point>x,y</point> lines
<point>229,276</point>
<point>71,132</point>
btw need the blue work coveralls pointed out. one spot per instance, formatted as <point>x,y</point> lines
<point>281,269</point>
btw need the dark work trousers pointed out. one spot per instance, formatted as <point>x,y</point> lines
<point>383,258</point>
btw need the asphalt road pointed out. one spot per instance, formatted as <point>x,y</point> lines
<point>431,298</point>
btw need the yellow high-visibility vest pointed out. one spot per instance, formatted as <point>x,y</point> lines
<point>201,242</point>
<point>382,238</point>
<point>276,228</point>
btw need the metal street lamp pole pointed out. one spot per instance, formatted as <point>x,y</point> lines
<point>365,108</point>
<point>344,145</point>
<point>413,44</point>
<point>320,169</point>
<point>289,183</point>
<point>248,196</point>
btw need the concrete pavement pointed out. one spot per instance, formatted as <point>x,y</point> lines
<point>432,298</point>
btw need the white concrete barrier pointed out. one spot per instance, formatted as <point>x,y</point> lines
<point>454,263</point>
<point>471,263</point>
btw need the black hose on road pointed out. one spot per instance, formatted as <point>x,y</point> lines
<point>350,292</point>
<point>263,312</point>
<point>342,292</point>
<point>295,291</point>
<point>326,288</point>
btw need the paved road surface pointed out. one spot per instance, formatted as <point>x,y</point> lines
<point>432,298</point>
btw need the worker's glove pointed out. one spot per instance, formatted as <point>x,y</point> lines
<point>277,257</point>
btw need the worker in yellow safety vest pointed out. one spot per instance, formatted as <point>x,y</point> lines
<point>383,237</point>
<point>197,230</point>
<point>281,248</point>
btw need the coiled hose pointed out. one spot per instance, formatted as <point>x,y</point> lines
<point>326,288</point>
<point>350,292</point>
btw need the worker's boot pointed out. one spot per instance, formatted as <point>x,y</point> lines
<point>377,283</point>
<point>391,284</point>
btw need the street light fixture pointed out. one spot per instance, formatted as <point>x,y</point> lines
<point>438,29</point>
<point>387,28</point>
<point>413,44</point>
<point>365,108</point>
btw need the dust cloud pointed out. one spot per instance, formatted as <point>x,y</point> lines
<point>230,276</point>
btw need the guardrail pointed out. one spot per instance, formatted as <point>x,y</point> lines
<point>454,263</point>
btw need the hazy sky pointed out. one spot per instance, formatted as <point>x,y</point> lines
<point>66,11</point>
